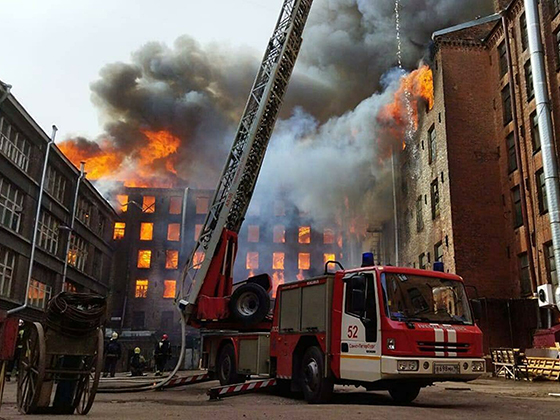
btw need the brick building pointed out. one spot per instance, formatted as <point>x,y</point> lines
<point>473,179</point>
<point>22,154</point>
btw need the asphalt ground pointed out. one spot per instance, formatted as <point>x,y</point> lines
<point>482,399</point>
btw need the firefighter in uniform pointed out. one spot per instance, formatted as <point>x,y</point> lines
<point>112,355</point>
<point>162,353</point>
<point>137,363</point>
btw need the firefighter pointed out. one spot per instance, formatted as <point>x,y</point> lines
<point>112,355</point>
<point>162,353</point>
<point>137,363</point>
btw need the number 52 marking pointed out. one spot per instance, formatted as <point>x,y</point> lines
<point>353,331</point>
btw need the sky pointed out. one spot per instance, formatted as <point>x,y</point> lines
<point>52,50</point>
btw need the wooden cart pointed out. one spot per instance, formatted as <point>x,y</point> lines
<point>58,373</point>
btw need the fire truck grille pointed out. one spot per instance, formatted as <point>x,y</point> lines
<point>436,346</point>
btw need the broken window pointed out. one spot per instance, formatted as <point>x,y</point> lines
<point>304,235</point>
<point>278,261</point>
<point>173,232</point>
<point>123,202</point>
<point>279,234</point>
<point>252,262</point>
<point>141,289</point>
<point>169,288</point>
<point>146,231</point>
<point>144,258</point>
<point>171,259</point>
<point>175,205</point>
<point>118,231</point>
<point>253,233</point>
<point>304,261</point>
<point>148,204</point>
<point>202,205</point>
<point>328,236</point>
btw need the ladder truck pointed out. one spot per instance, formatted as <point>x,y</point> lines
<point>384,328</point>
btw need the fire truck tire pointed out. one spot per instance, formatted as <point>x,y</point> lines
<point>226,368</point>
<point>404,394</point>
<point>250,304</point>
<point>316,388</point>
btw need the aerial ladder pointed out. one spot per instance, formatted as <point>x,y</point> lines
<point>205,291</point>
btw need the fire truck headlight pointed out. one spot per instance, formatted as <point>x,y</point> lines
<point>391,345</point>
<point>407,365</point>
<point>478,366</point>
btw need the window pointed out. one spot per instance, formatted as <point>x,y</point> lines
<point>202,205</point>
<point>419,216</point>
<point>438,252</point>
<point>524,34</point>
<point>146,231</point>
<point>557,48</point>
<point>524,276</point>
<point>148,204</point>
<point>512,155</point>
<point>138,320</point>
<point>253,233</point>
<point>555,6</point>
<point>166,320</point>
<point>7,265</point>
<point>304,235</point>
<point>11,205</point>
<point>101,222</point>
<point>83,212</point>
<point>328,236</point>
<point>141,289</point>
<point>550,263</point>
<point>535,135</point>
<point>169,288</point>
<point>422,261</point>
<point>541,191</point>
<point>97,269</point>
<point>56,184</point>
<point>530,89</point>
<point>506,105</point>
<point>39,294</point>
<point>279,208</point>
<point>279,234</point>
<point>278,261</point>
<point>432,145</point>
<point>70,287</point>
<point>198,259</point>
<point>144,258</point>
<point>517,214</point>
<point>14,145</point>
<point>77,253</point>
<point>435,198</point>
<point>328,257</point>
<point>502,51</point>
<point>304,261</point>
<point>175,205</point>
<point>171,259</point>
<point>173,232</point>
<point>197,230</point>
<point>252,262</point>
<point>48,232</point>
<point>118,231</point>
<point>123,202</point>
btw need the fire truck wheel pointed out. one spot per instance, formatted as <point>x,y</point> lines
<point>404,394</point>
<point>316,388</point>
<point>250,303</point>
<point>227,367</point>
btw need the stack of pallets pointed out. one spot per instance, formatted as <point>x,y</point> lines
<point>543,368</point>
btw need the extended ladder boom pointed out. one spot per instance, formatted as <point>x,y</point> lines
<point>235,188</point>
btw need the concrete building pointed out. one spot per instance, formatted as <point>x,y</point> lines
<point>472,185</point>
<point>22,155</point>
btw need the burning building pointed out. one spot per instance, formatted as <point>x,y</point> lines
<point>472,190</point>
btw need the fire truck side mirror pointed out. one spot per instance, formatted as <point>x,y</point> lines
<point>476,305</point>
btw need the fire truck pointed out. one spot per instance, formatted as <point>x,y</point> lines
<point>396,329</point>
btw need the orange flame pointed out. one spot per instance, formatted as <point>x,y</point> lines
<point>277,280</point>
<point>151,165</point>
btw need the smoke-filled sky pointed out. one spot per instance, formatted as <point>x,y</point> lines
<point>109,70</point>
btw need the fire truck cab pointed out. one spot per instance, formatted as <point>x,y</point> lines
<point>384,328</point>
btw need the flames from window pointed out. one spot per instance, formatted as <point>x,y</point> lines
<point>144,259</point>
<point>169,289</point>
<point>146,231</point>
<point>118,232</point>
<point>171,259</point>
<point>304,235</point>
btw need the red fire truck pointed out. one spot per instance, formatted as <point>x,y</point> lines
<point>384,328</point>
<point>381,327</point>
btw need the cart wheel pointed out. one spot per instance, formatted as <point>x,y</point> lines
<point>87,385</point>
<point>31,368</point>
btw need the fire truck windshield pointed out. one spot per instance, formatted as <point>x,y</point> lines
<point>425,299</point>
